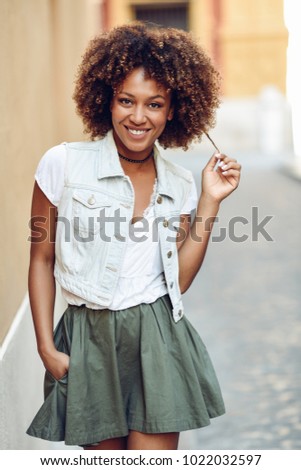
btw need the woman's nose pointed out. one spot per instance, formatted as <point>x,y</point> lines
<point>138,115</point>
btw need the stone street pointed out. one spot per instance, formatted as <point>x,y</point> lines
<point>246,305</point>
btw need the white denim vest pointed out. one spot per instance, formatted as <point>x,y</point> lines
<point>94,214</point>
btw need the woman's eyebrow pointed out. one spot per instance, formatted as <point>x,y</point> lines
<point>157,96</point>
<point>150,98</point>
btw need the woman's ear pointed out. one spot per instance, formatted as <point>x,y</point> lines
<point>112,99</point>
<point>170,113</point>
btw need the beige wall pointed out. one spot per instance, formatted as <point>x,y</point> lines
<point>41,45</point>
<point>119,12</point>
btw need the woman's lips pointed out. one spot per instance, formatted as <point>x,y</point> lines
<point>136,132</point>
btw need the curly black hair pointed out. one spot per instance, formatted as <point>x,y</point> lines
<point>170,56</point>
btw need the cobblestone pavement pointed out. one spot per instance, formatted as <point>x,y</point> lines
<point>246,305</point>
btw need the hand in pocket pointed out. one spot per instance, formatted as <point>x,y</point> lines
<point>57,364</point>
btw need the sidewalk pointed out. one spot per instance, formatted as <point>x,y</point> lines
<point>246,305</point>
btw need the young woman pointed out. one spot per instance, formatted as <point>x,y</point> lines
<point>125,369</point>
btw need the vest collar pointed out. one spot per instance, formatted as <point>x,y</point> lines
<point>164,186</point>
<point>108,160</point>
<point>109,165</point>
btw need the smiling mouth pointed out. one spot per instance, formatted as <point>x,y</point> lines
<point>136,131</point>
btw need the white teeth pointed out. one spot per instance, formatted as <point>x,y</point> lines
<point>136,131</point>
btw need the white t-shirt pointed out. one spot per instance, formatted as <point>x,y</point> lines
<point>141,277</point>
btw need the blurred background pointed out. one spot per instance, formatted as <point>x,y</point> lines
<point>246,301</point>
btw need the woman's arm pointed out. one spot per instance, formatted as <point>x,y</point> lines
<point>41,282</point>
<point>216,186</point>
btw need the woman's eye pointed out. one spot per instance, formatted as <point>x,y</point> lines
<point>125,101</point>
<point>155,105</point>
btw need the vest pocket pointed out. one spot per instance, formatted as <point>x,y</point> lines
<point>89,213</point>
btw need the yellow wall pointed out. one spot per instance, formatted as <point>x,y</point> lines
<point>41,45</point>
<point>200,22</point>
<point>253,46</point>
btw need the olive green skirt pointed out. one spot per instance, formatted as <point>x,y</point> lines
<point>132,369</point>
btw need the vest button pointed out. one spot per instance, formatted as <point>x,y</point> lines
<point>159,199</point>
<point>169,254</point>
<point>165,223</point>
<point>180,313</point>
<point>91,200</point>
<point>171,285</point>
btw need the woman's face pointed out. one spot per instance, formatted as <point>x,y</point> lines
<point>140,109</point>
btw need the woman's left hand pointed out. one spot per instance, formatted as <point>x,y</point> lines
<point>219,182</point>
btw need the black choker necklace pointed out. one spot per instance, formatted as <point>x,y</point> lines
<point>132,160</point>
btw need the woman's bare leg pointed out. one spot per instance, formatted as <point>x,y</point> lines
<point>141,441</point>
<point>118,443</point>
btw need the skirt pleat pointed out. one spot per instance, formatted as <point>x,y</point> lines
<point>132,369</point>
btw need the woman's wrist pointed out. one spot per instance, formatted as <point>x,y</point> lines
<point>47,350</point>
<point>209,203</point>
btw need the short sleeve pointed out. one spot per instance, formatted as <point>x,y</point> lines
<point>50,173</point>
<point>191,201</point>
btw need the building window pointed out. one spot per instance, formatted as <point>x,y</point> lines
<point>172,15</point>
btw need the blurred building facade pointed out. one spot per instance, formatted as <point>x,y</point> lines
<point>294,77</point>
<point>41,46</point>
<point>247,40</point>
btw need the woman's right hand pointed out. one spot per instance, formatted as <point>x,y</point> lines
<point>57,363</point>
